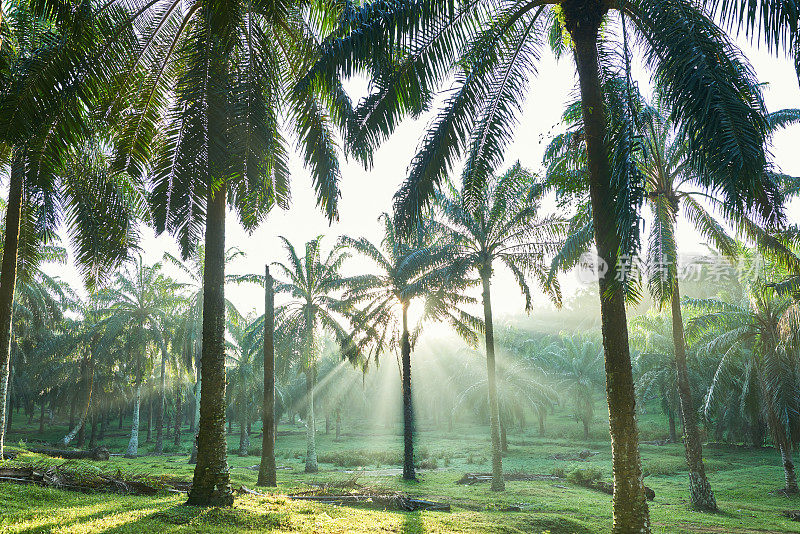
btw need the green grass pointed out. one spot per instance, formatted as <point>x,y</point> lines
<point>744,481</point>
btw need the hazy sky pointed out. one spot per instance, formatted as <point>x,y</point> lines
<point>366,194</point>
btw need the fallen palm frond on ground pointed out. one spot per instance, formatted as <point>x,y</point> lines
<point>350,492</point>
<point>476,478</point>
<point>394,501</point>
<point>77,476</point>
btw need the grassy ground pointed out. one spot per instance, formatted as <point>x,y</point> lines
<point>744,481</point>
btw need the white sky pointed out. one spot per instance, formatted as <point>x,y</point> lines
<point>365,194</point>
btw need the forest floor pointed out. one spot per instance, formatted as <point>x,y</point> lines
<point>367,459</point>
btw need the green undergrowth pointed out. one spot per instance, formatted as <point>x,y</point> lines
<point>368,460</point>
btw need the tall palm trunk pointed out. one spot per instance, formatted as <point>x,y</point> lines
<point>267,471</point>
<point>583,19</point>
<point>211,485</point>
<point>161,403</point>
<point>244,424</point>
<point>178,414</point>
<point>311,438</point>
<point>780,439</point>
<point>87,378</point>
<point>701,495</point>
<point>498,484</point>
<point>195,419</point>
<point>133,443</point>
<point>408,408</point>
<point>8,282</point>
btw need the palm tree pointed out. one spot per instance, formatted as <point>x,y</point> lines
<point>673,184</point>
<point>98,209</point>
<point>577,364</point>
<point>137,307</point>
<point>504,228</point>
<point>210,81</point>
<point>410,269</point>
<point>753,328</point>
<point>312,282</point>
<point>654,365</point>
<point>242,375</point>
<point>523,387</point>
<point>412,48</point>
<point>190,327</point>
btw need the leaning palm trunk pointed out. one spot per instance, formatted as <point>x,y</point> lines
<point>408,409</point>
<point>211,485</point>
<point>161,402</point>
<point>8,281</point>
<point>583,18</point>
<point>311,438</point>
<point>267,472</point>
<point>133,443</point>
<point>701,495</point>
<point>498,484</point>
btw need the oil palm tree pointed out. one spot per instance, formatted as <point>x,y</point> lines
<point>523,387</point>
<point>412,48</point>
<point>219,77</point>
<point>410,269</point>
<point>57,168</point>
<point>754,329</point>
<point>137,307</point>
<point>503,228</point>
<point>654,365</point>
<point>576,365</point>
<point>673,185</point>
<point>190,326</point>
<point>313,283</point>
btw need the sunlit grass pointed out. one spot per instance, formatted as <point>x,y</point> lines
<point>744,481</point>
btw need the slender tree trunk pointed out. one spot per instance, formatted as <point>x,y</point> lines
<point>178,413</point>
<point>585,429</point>
<point>149,415</point>
<point>8,282</point>
<point>408,407</point>
<point>702,497</point>
<point>244,434</point>
<point>541,416</point>
<point>503,435</point>
<point>133,443</point>
<point>311,438</point>
<point>10,418</point>
<point>267,471</point>
<point>211,485</point>
<point>41,417</point>
<point>583,19</point>
<point>87,379</point>
<point>338,424</point>
<point>327,423</point>
<point>162,400</point>
<point>103,424</point>
<point>93,434</point>
<point>195,419</point>
<point>121,416</point>
<point>72,407</point>
<point>673,431</point>
<point>788,470</point>
<point>498,484</point>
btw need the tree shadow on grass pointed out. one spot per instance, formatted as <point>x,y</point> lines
<point>412,523</point>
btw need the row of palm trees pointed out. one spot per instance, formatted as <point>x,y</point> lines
<point>191,93</point>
